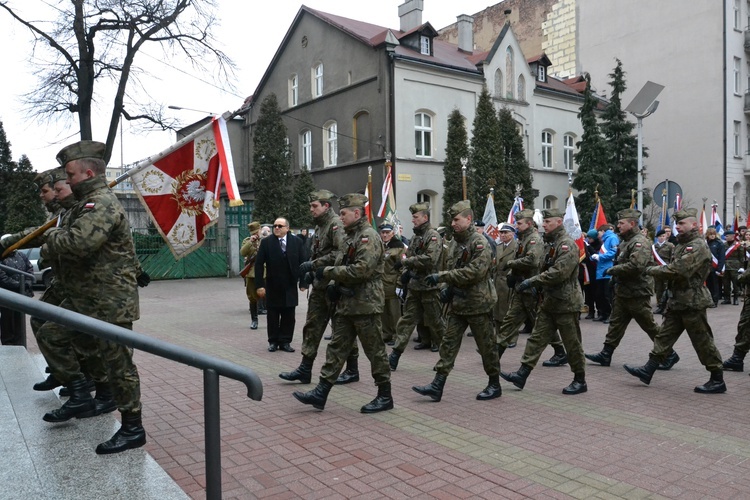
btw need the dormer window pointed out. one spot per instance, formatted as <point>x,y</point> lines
<point>541,74</point>
<point>424,45</point>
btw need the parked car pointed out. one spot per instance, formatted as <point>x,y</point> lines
<point>43,276</point>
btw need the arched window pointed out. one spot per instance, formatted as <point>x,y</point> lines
<point>549,202</point>
<point>305,156</point>
<point>569,149</point>
<point>430,197</point>
<point>499,87</point>
<point>547,149</point>
<point>521,94</point>
<point>509,73</point>
<point>330,144</point>
<point>317,80</point>
<point>423,134</point>
<point>361,135</point>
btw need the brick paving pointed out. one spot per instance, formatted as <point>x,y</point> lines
<point>622,439</point>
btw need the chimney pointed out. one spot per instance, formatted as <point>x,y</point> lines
<point>465,33</point>
<point>410,13</point>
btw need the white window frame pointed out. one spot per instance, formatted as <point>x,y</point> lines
<point>549,202</point>
<point>331,144</point>
<point>306,149</point>
<point>317,80</point>
<point>541,73</point>
<point>422,132</point>
<point>737,16</point>
<point>569,147</point>
<point>424,45</point>
<point>747,132</point>
<point>737,71</point>
<point>737,139</point>
<point>547,149</point>
<point>293,90</point>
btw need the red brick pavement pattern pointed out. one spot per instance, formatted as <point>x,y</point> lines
<point>621,439</point>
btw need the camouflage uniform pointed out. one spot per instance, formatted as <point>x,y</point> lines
<point>560,307</point>
<point>394,250</point>
<point>423,257</point>
<point>505,253</point>
<point>665,251</point>
<point>686,308</point>
<point>733,262</point>
<point>742,340</point>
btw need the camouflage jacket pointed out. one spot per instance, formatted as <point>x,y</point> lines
<point>394,250</point>
<point>423,257</point>
<point>504,254</point>
<point>734,257</point>
<point>327,242</point>
<point>95,257</point>
<point>633,257</point>
<point>558,279</point>
<point>469,274</point>
<point>249,250</point>
<point>528,256</point>
<point>359,270</point>
<point>687,273</point>
<point>664,251</point>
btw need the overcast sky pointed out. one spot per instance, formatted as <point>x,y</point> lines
<point>250,33</point>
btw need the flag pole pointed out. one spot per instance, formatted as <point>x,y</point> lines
<point>369,193</point>
<point>464,161</point>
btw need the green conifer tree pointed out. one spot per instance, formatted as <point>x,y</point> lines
<point>6,168</point>
<point>457,147</point>
<point>517,169</point>
<point>486,168</point>
<point>299,212</point>
<point>271,165</point>
<point>23,206</point>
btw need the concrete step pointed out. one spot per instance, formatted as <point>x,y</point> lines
<point>57,461</point>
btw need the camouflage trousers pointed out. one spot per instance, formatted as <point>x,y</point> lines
<point>523,306</point>
<point>422,306</point>
<point>390,317</point>
<point>482,327</point>
<point>500,310</point>
<point>318,315</point>
<point>731,284</point>
<point>699,331</point>
<point>546,327</point>
<point>53,335</point>
<point>346,331</point>
<point>59,346</point>
<point>660,286</point>
<point>742,340</point>
<point>626,309</point>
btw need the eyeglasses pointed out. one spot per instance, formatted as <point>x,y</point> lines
<point>279,226</point>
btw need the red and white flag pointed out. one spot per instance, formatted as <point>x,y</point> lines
<point>490,219</point>
<point>181,186</point>
<point>573,226</point>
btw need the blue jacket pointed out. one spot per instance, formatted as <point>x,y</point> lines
<point>607,254</point>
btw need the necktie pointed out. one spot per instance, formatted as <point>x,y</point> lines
<point>282,242</point>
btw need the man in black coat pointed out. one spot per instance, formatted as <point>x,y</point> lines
<point>276,277</point>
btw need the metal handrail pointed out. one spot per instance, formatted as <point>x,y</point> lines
<point>212,367</point>
<point>21,287</point>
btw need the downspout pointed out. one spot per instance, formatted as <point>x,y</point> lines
<point>726,116</point>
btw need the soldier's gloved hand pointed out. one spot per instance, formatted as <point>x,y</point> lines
<point>432,279</point>
<point>143,279</point>
<point>524,285</point>
<point>446,295</point>
<point>333,293</point>
<point>595,257</point>
<point>319,273</point>
<point>398,265</point>
<point>305,267</point>
<point>740,271</point>
<point>511,281</point>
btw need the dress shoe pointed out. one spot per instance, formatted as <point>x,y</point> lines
<point>130,435</point>
<point>435,348</point>
<point>272,347</point>
<point>80,404</point>
<point>286,348</point>
<point>327,337</point>
<point>578,386</point>
<point>382,402</point>
<point>736,362</point>
<point>303,372</point>
<point>604,357</point>
<point>512,345</point>
<point>420,347</point>
<point>316,397</point>
<point>48,384</point>
<point>715,384</point>
<point>393,358</point>
<point>351,374</point>
<point>668,363</point>
<point>434,389</point>
<point>645,372</point>
<point>517,378</point>
<point>254,324</point>
<point>492,391</point>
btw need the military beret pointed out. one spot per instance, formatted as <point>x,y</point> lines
<point>459,207</point>
<point>479,223</point>
<point>322,195</point>
<point>629,213</point>
<point>254,227</point>
<point>728,232</point>
<point>81,149</point>
<point>525,214</point>
<point>419,207</point>
<point>385,226</point>
<point>685,213</point>
<point>507,227</point>
<point>550,213</point>
<point>593,234</point>
<point>352,200</point>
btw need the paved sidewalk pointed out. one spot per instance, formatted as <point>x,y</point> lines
<point>621,439</point>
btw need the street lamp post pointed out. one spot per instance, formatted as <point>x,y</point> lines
<point>182,108</point>
<point>643,104</point>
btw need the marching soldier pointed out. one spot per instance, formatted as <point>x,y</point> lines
<point>394,251</point>
<point>506,251</point>
<point>560,306</point>
<point>356,282</point>
<point>662,252</point>
<point>467,288</point>
<point>686,309</point>
<point>633,289</point>
<point>423,258</point>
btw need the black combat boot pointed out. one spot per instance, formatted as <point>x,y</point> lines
<point>645,372</point>
<point>104,401</point>
<point>48,384</point>
<point>518,378</point>
<point>736,363</point>
<point>303,373</point>
<point>492,391</point>
<point>715,384</point>
<point>434,389</point>
<point>80,404</point>
<point>393,358</point>
<point>253,316</point>
<point>668,363</point>
<point>90,386</point>
<point>130,435</point>
<point>351,374</point>
<point>558,359</point>
<point>578,385</point>
<point>317,397</point>
<point>382,402</point>
<point>604,357</point>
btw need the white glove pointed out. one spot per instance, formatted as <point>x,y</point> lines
<point>595,257</point>
<point>740,271</point>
